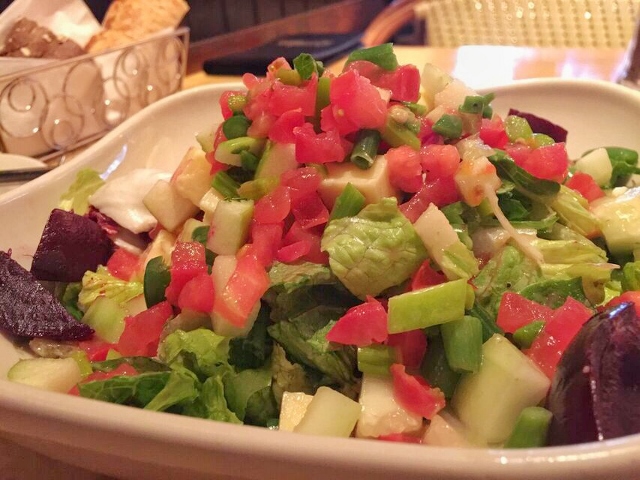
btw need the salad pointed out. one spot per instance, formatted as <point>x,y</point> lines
<point>375,254</point>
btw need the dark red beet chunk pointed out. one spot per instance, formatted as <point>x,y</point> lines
<point>596,391</point>
<point>542,125</point>
<point>70,245</point>
<point>27,309</point>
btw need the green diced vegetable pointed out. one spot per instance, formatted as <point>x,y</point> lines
<point>524,336</point>
<point>436,370</point>
<point>235,126</point>
<point>449,126</point>
<point>237,102</point>
<point>249,161</point>
<point>289,77</point>
<point>156,280</point>
<point>226,185</point>
<point>416,108</point>
<point>398,134</point>
<point>306,66</point>
<point>381,55</point>
<point>348,204</point>
<point>376,359</point>
<point>531,429</point>
<point>463,343</point>
<point>472,104</point>
<point>106,317</point>
<point>365,148</point>
<point>517,128</point>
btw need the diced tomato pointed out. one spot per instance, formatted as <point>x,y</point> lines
<point>312,147</point>
<point>187,261</point>
<point>492,132</point>
<point>294,251</point>
<point>403,82</point>
<point>410,346</point>
<point>258,97</point>
<point>302,181</point>
<point>141,333</point>
<point>549,162</point>
<point>548,347</point>
<point>585,185</point>
<point>630,296</point>
<point>439,160</point>
<point>124,369</point>
<point>274,207</point>
<point>405,169</point>
<point>123,264</point>
<point>282,128</point>
<point>356,103</point>
<point>414,393</point>
<point>441,191</point>
<point>266,239</point>
<point>292,97</point>
<point>400,437</point>
<point>247,284</point>
<point>426,276</point>
<point>224,102</point>
<point>516,311</point>
<point>95,348</point>
<point>197,294</point>
<point>362,325</point>
<point>309,211</point>
<point>518,151</point>
<point>311,241</point>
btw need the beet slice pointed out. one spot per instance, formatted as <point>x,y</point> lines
<point>29,310</point>
<point>595,394</point>
<point>70,245</point>
<point>542,125</point>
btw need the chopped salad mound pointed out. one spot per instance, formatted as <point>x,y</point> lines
<point>374,253</point>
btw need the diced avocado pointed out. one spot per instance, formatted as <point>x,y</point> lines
<point>230,226</point>
<point>373,182</point>
<point>106,317</point>
<point>619,220</point>
<point>54,374</point>
<point>489,402</point>
<point>277,159</point>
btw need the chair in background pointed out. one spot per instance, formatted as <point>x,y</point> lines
<point>536,23</point>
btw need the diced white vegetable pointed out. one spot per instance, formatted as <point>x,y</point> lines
<point>169,207</point>
<point>294,406</point>
<point>433,80</point>
<point>192,178</point>
<point>444,430</point>
<point>597,164</point>
<point>277,159</point>
<point>488,402</point>
<point>161,246</point>
<point>619,219</point>
<point>381,414</point>
<point>475,179</point>
<point>230,226</point>
<point>121,198</point>
<point>209,202</point>
<point>453,95</point>
<point>55,374</point>
<point>373,183</point>
<point>330,413</point>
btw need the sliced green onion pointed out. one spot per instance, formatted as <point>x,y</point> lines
<point>472,104</point>
<point>397,134</point>
<point>531,428</point>
<point>200,234</point>
<point>236,126</point>
<point>348,204</point>
<point>436,370</point>
<point>365,148</point>
<point>155,282</point>
<point>381,55</point>
<point>524,336</point>
<point>417,108</point>
<point>462,341</point>
<point>288,77</point>
<point>249,161</point>
<point>376,359</point>
<point>540,140</point>
<point>226,185</point>
<point>517,128</point>
<point>237,102</point>
<point>487,111</point>
<point>306,66</point>
<point>489,326</point>
<point>449,126</point>
<point>322,94</point>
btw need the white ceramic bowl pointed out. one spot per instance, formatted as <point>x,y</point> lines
<point>130,443</point>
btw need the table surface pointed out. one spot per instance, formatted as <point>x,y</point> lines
<point>478,66</point>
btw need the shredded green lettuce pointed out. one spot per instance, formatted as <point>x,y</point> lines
<point>102,283</point>
<point>76,198</point>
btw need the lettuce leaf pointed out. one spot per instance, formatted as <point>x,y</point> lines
<point>136,391</point>
<point>250,397</point>
<point>254,350</point>
<point>76,198</point>
<point>374,250</point>
<point>211,403</point>
<point>102,283</point>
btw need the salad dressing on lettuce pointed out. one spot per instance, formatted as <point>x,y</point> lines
<point>375,254</point>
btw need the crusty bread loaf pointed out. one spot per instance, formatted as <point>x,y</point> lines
<point>28,39</point>
<point>131,20</point>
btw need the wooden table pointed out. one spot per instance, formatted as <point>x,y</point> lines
<point>478,66</point>
<point>484,66</point>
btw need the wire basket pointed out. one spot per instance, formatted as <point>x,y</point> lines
<point>51,110</point>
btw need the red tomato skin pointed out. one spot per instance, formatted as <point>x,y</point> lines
<point>413,393</point>
<point>124,369</point>
<point>405,169</point>
<point>187,261</point>
<point>410,347</point>
<point>311,237</point>
<point>516,311</point>
<point>301,181</point>
<point>441,191</point>
<point>492,132</point>
<point>585,185</point>
<point>273,207</point>
<point>141,334</point>
<point>294,251</point>
<point>245,288</point>
<point>518,151</point>
<point>362,325</point>
<point>403,82</point>
<point>266,239</point>
<point>439,161</point>
<point>548,347</point>
<point>281,130</point>
<point>426,276</point>
<point>197,294</point>
<point>96,349</point>
<point>312,147</point>
<point>123,264</point>
<point>309,211</point>
<point>292,97</point>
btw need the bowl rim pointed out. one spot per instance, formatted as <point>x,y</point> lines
<point>356,453</point>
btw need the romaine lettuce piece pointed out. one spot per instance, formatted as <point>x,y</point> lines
<point>288,277</point>
<point>136,391</point>
<point>375,250</point>
<point>102,283</point>
<point>211,403</point>
<point>254,350</point>
<point>181,388</point>
<point>631,276</point>
<point>572,209</point>
<point>250,397</point>
<point>553,293</point>
<point>76,198</point>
